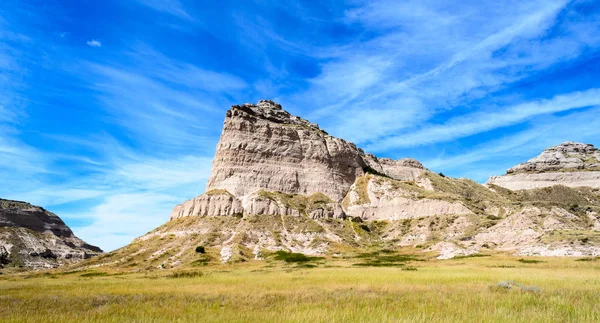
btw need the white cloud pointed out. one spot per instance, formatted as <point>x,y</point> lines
<point>172,7</point>
<point>495,156</point>
<point>431,57</point>
<point>485,120</point>
<point>94,43</point>
<point>122,217</point>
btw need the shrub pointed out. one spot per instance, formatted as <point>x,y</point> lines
<point>474,255</point>
<point>587,259</point>
<point>185,274</point>
<point>376,259</point>
<point>94,274</point>
<point>442,174</point>
<point>530,261</point>
<point>370,170</point>
<point>365,227</point>
<point>200,249</point>
<point>294,257</point>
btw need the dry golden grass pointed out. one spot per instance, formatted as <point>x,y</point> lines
<point>465,290</point>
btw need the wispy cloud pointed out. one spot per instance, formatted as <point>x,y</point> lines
<point>93,43</point>
<point>168,103</point>
<point>494,157</point>
<point>172,7</point>
<point>121,217</point>
<point>458,63</point>
<point>485,120</point>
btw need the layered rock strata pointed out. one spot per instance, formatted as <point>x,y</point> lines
<point>570,164</point>
<point>265,148</point>
<point>32,237</point>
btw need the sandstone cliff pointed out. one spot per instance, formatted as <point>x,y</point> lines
<point>31,237</point>
<point>570,164</point>
<point>265,148</point>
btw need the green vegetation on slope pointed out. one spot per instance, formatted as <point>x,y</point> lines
<point>304,204</point>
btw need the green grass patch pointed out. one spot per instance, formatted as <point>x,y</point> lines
<point>185,274</point>
<point>215,191</point>
<point>475,255</point>
<point>304,204</point>
<point>94,274</point>
<point>530,261</point>
<point>294,257</point>
<point>384,258</point>
<point>588,259</point>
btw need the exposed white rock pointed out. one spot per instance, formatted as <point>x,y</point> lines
<point>209,204</point>
<point>531,181</point>
<point>568,155</point>
<point>570,164</point>
<point>449,250</point>
<point>385,202</point>
<point>263,147</point>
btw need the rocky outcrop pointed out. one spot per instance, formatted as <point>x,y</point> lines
<point>31,237</point>
<point>570,164</point>
<point>531,181</point>
<point>212,203</point>
<point>376,198</point>
<point>263,147</point>
<point>568,156</point>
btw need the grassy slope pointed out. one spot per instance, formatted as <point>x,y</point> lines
<point>561,289</point>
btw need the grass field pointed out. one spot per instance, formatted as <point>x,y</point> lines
<point>370,287</point>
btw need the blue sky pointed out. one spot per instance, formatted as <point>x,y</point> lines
<point>110,111</point>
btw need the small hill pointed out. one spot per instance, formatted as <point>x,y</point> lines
<point>33,238</point>
<point>570,164</point>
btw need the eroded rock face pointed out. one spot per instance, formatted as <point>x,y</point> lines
<point>211,204</point>
<point>374,198</point>
<point>568,156</point>
<point>32,237</point>
<point>263,147</point>
<point>570,164</point>
<point>531,181</point>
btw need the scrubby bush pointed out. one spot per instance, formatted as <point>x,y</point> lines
<point>185,274</point>
<point>200,249</point>
<point>294,257</point>
<point>530,261</point>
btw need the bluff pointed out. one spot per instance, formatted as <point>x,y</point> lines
<point>279,182</point>
<point>264,148</point>
<point>33,238</point>
<point>570,164</point>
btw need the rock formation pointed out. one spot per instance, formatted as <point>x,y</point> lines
<point>265,148</point>
<point>280,182</point>
<point>31,237</point>
<point>570,164</point>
